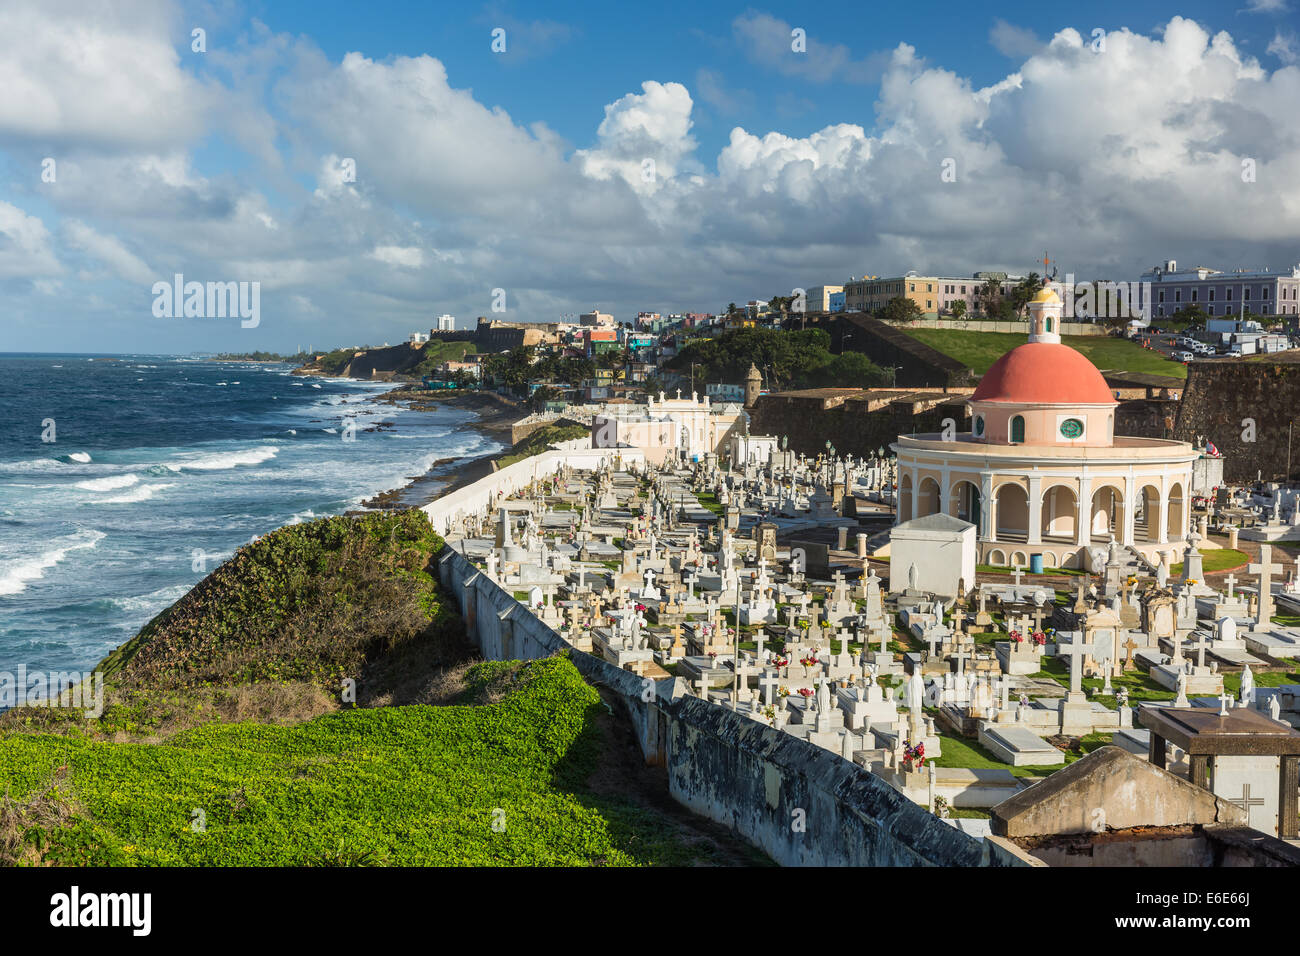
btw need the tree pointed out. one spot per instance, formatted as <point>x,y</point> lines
<point>541,395</point>
<point>990,295</point>
<point>900,309</point>
<point>959,309</point>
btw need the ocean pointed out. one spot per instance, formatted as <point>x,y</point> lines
<point>157,468</point>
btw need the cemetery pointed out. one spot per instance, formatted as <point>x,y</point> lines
<point>812,600</point>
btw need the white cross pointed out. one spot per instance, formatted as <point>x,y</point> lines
<point>768,682</point>
<point>1076,650</point>
<point>1265,569</point>
<point>1230,580</point>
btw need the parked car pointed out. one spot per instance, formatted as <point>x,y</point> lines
<point>1183,356</point>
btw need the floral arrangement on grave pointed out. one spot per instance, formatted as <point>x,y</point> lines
<point>807,692</point>
<point>713,655</point>
<point>1039,638</point>
<point>941,806</point>
<point>640,607</point>
<point>783,692</point>
<point>770,714</point>
<point>1121,697</point>
<point>1016,636</point>
<point>913,757</point>
<point>810,660</point>
<point>779,662</point>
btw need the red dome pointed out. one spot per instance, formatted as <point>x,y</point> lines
<point>1044,373</point>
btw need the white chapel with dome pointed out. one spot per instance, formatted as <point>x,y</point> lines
<point>1042,470</point>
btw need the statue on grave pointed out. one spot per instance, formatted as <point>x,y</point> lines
<point>912,577</point>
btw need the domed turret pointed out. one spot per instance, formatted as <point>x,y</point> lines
<point>1045,317</point>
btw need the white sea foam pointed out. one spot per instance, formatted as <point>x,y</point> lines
<point>111,483</point>
<point>80,456</point>
<point>223,460</point>
<point>17,572</point>
<point>143,493</point>
<point>151,604</point>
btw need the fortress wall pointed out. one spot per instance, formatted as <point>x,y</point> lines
<point>1221,395</point>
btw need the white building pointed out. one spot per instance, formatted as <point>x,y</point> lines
<point>418,337</point>
<point>446,323</point>
<point>693,427</point>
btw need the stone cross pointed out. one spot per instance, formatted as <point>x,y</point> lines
<point>1230,580</point>
<point>702,686</point>
<point>1076,650</point>
<point>1265,568</point>
<point>768,682</point>
<point>1017,573</point>
<point>1199,644</point>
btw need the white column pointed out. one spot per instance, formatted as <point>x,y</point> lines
<point>1083,523</point>
<point>1130,506</point>
<point>1035,510</point>
<point>1162,533</point>
<point>916,492</point>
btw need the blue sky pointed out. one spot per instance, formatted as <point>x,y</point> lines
<point>526,171</point>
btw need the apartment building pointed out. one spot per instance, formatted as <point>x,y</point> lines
<point>1262,292</point>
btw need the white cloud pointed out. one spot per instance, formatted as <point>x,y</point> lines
<point>110,251</point>
<point>768,41</point>
<point>643,138</point>
<point>406,257</point>
<point>26,250</point>
<point>94,74</point>
<point>1284,47</point>
<point>1014,41</point>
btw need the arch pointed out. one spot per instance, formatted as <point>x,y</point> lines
<point>1177,519</point>
<point>964,503</point>
<point>1017,429</point>
<point>1012,512</point>
<point>927,497</point>
<point>1146,514</point>
<point>1049,559</point>
<point>1019,559</point>
<point>1060,513</point>
<point>1107,513</point>
<point>997,559</point>
<point>904,511</point>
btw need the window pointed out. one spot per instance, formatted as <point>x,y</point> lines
<point>1049,325</point>
<point>979,425</point>
<point>1194,291</point>
<point>1211,295</point>
<point>1162,295</point>
<point>1178,295</point>
<point>1227,294</point>
<point>1018,429</point>
<point>1264,290</point>
<point>1071,429</point>
<point>1245,295</point>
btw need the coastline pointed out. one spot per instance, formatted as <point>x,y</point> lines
<point>494,417</point>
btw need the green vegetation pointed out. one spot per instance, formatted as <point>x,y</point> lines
<point>787,360</point>
<point>979,350</point>
<point>1140,687</point>
<point>1224,559</point>
<point>538,441</point>
<point>261,357</point>
<point>500,780</point>
<point>309,602</point>
<point>971,754</point>
<point>524,365</point>
<point>436,353</point>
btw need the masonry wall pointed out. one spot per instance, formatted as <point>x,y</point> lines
<point>1220,395</point>
<point>727,767</point>
<point>810,421</point>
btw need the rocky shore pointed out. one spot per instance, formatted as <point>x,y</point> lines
<point>495,415</point>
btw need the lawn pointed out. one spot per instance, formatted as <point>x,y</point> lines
<point>971,754</point>
<point>501,781</point>
<point>979,350</point>
<point>1221,560</point>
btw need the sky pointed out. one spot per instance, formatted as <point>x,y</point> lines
<point>368,167</point>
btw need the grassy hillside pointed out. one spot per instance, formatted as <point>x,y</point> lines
<point>501,780</point>
<point>537,442</point>
<point>309,602</point>
<point>979,350</point>
<point>435,353</point>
